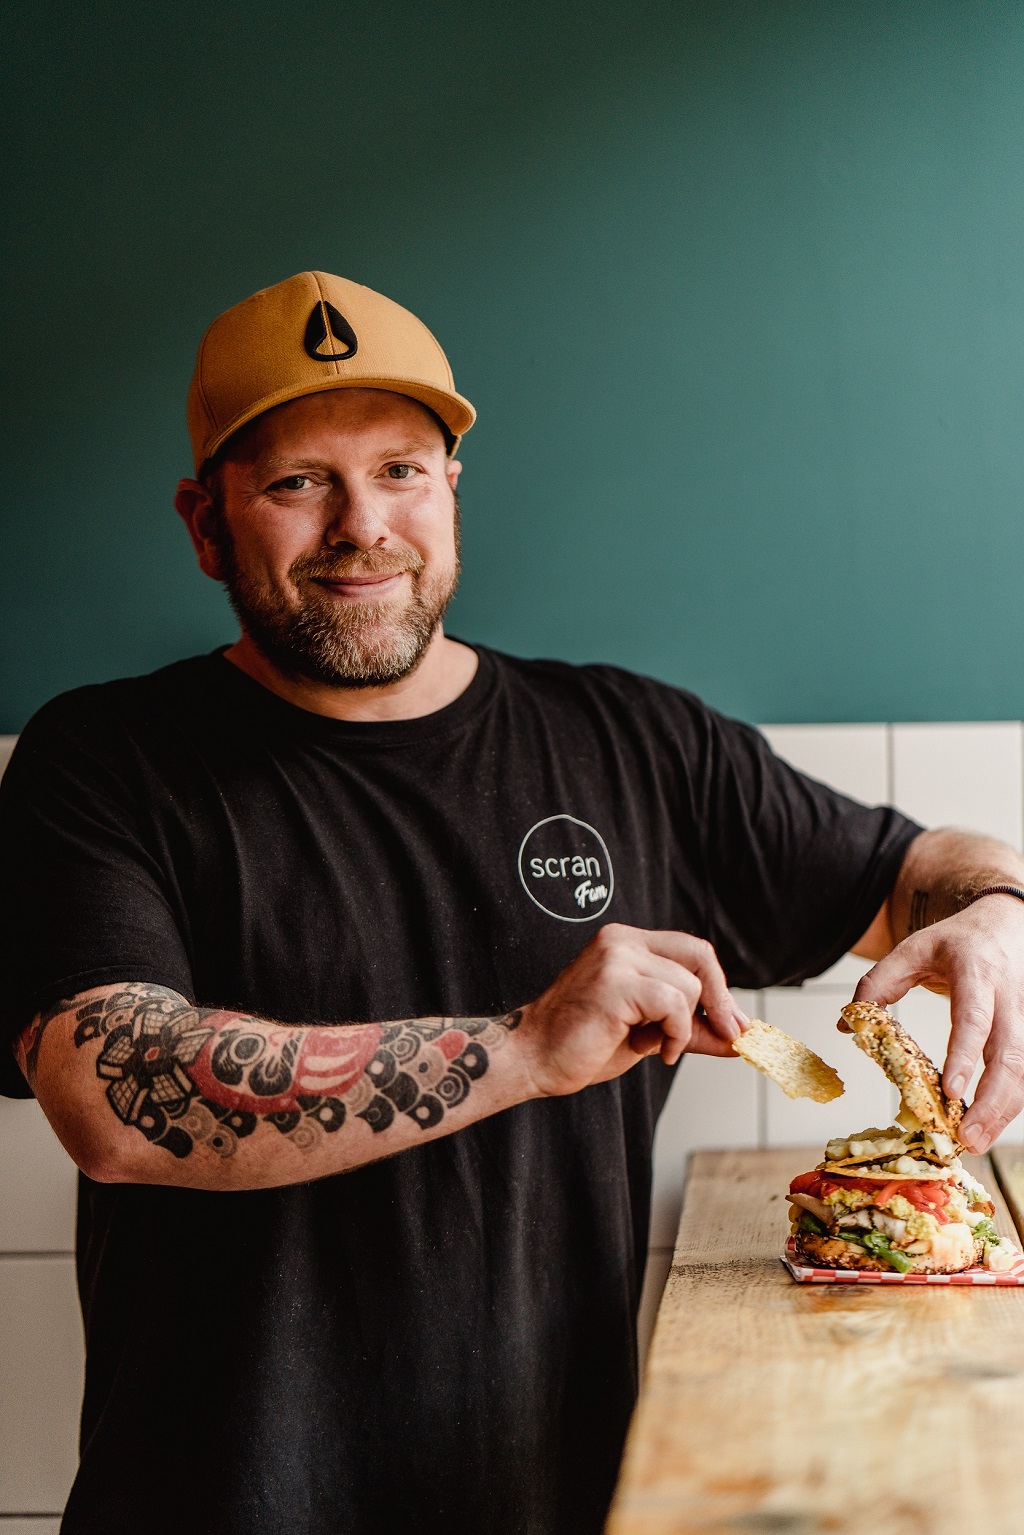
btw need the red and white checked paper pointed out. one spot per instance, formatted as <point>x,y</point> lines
<point>803,1274</point>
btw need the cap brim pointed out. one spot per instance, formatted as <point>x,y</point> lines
<point>457,413</point>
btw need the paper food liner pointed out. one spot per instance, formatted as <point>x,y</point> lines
<point>804,1274</point>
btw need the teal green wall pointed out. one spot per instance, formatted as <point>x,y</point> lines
<point>737,288</point>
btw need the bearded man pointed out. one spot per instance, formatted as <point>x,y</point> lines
<point>350,964</point>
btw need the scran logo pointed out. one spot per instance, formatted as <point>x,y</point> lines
<point>565,868</point>
<point>589,893</point>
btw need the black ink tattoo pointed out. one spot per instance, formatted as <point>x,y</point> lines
<point>185,1075</point>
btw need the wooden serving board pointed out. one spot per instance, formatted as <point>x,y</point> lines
<point>773,1408</point>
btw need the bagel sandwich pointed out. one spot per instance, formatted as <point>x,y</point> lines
<point>898,1199</point>
<point>882,1217</point>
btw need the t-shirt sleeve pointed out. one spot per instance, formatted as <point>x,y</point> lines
<point>83,900</point>
<point>795,871</point>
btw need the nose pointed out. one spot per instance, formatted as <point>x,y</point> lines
<point>356,518</point>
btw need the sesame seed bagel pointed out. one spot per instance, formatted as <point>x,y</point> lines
<point>905,1064</point>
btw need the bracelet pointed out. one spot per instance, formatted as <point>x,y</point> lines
<point>995,890</point>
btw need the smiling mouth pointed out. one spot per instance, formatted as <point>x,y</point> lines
<point>354,586</point>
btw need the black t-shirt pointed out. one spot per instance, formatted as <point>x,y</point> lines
<point>444,1339</point>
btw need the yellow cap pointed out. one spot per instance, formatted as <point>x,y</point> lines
<point>310,333</point>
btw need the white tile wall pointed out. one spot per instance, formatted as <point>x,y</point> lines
<point>37,1194</point>
<point>961,775</point>
<point>41,1371</point>
<point>42,1355</point>
<point>851,758</point>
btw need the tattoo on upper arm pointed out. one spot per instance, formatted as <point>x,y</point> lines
<point>918,910</point>
<point>186,1075</point>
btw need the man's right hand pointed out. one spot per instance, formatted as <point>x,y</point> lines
<point>630,993</point>
<point>144,1086</point>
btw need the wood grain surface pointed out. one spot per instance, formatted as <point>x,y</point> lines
<point>1009,1165</point>
<point>773,1408</point>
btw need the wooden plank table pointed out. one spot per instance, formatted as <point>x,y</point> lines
<point>775,1408</point>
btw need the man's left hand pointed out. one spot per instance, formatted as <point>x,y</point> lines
<point>977,958</point>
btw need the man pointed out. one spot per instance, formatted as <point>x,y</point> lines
<point>352,897</point>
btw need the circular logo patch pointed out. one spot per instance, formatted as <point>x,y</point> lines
<point>565,869</point>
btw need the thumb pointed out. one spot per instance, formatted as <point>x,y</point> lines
<point>705,1041</point>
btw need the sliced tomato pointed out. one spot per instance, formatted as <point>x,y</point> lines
<point>931,1197</point>
<point>805,1183</point>
<point>820,1184</point>
<point>928,1193</point>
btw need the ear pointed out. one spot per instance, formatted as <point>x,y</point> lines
<point>452,471</point>
<point>194,505</point>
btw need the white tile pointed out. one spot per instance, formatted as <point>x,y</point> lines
<point>7,745</point>
<point>851,758</point>
<point>37,1192</point>
<point>29,1526</point>
<point>925,1016</point>
<point>967,775</point>
<point>812,1017</point>
<point>713,1102</point>
<point>655,1276</point>
<point>41,1370</point>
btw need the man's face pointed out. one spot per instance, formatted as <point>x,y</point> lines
<point>336,534</point>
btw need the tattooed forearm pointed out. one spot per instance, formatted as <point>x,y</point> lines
<point>942,872</point>
<point>186,1076</point>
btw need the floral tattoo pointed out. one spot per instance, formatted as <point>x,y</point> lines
<point>185,1075</point>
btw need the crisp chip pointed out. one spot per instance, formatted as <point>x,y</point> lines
<point>796,1069</point>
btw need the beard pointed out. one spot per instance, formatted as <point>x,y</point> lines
<point>318,638</point>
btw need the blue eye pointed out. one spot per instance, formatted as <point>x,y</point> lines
<point>401,471</point>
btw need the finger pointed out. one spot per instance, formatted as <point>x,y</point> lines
<point>1000,1094</point>
<point>656,968</point>
<point>909,963</point>
<point>646,1039</point>
<point>625,1057</point>
<point>659,1002</point>
<point>972,1003</point>
<point>677,1026</point>
<point>704,1041</point>
<point>697,955</point>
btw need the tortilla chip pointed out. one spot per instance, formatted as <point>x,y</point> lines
<point>796,1069</point>
<point>888,1156</point>
<point>906,1065</point>
<point>843,1170</point>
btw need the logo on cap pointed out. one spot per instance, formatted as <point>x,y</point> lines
<point>325,320</point>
